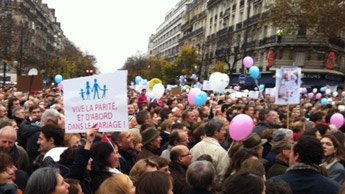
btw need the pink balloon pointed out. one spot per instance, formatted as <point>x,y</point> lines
<point>303,90</point>
<point>60,86</point>
<point>343,93</point>
<point>318,96</point>
<point>191,96</point>
<point>248,62</point>
<point>310,95</point>
<point>241,127</point>
<point>337,120</point>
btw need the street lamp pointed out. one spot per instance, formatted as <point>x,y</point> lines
<point>89,72</point>
<point>4,74</point>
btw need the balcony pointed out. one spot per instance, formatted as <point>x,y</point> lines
<point>267,40</point>
<point>338,42</point>
<point>191,34</point>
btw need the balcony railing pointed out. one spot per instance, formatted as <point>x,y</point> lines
<point>192,34</point>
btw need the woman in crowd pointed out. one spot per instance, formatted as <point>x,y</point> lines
<point>238,159</point>
<point>46,180</point>
<point>142,166</point>
<point>119,184</point>
<point>333,158</point>
<point>162,183</point>
<point>7,175</point>
<point>243,182</point>
<point>105,161</point>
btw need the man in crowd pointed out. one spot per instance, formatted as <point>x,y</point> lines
<point>181,158</point>
<point>124,142</point>
<point>51,136</point>
<point>210,145</point>
<point>3,112</point>
<point>8,138</point>
<point>282,151</point>
<point>304,176</point>
<point>200,176</point>
<point>177,137</point>
<point>151,143</point>
<point>267,119</point>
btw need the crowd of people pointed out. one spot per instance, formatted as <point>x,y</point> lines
<point>171,147</point>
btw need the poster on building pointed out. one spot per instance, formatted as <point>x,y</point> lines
<point>99,99</point>
<point>288,83</point>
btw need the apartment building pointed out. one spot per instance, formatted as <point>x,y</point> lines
<point>30,35</point>
<point>229,30</point>
<point>165,42</point>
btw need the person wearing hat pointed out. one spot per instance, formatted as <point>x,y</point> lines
<point>151,143</point>
<point>279,135</point>
<point>255,142</point>
<point>303,174</point>
<point>282,151</point>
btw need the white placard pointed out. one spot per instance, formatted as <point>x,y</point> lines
<point>99,99</point>
<point>253,94</point>
<point>288,84</point>
<point>206,85</point>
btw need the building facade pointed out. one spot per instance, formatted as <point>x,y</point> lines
<point>29,36</point>
<point>165,42</point>
<point>229,30</point>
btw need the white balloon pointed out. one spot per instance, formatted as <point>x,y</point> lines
<point>158,90</point>
<point>335,94</point>
<point>215,81</point>
<point>328,91</point>
<point>224,80</point>
<point>314,90</point>
<point>341,108</point>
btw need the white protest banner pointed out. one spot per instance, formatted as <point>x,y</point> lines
<point>253,94</point>
<point>288,84</point>
<point>99,99</point>
<point>206,85</point>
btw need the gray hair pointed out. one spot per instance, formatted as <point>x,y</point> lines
<point>50,114</point>
<point>212,126</point>
<point>201,174</point>
<point>16,110</point>
<point>43,180</point>
<point>8,129</point>
<point>282,134</point>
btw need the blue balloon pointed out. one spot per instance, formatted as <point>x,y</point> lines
<point>58,78</point>
<point>322,89</point>
<point>262,87</point>
<point>254,72</point>
<point>324,101</point>
<point>200,98</point>
<point>137,80</point>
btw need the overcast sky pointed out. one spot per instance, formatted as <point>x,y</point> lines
<point>110,30</point>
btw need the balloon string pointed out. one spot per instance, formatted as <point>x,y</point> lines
<point>232,143</point>
<point>112,145</point>
<point>261,93</point>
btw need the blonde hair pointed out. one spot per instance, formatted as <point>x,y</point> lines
<point>68,137</point>
<point>119,184</point>
<point>140,168</point>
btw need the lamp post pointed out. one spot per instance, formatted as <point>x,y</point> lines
<point>4,75</point>
<point>89,72</point>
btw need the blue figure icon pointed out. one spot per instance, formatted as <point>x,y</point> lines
<point>104,91</point>
<point>95,89</point>
<point>82,94</point>
<point>87,90</point>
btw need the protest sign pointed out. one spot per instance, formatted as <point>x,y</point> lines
<point>99,99</point>
<point>254,94</point>
<point>288,83</point>
<point>206,85</point>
